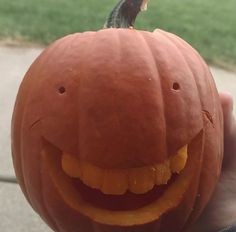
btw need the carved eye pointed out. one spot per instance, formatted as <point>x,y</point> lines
<point>61,90</point>
<point>176,86</point>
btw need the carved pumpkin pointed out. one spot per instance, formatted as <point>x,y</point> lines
<point>118,130</point>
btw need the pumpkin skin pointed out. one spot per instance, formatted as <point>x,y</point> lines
<point>117,98</point>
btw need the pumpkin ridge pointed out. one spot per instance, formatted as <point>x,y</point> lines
<point>195,213</point>
<point>162,90</point>
<point>179,50</point>
<point>160,79</point>
<point>195,210</point>
<point>180,42</point>
<point>197,180</point>
<point>209,83</point>
<point>194,78</point>
<point>21,106</point>
<point>23,115</point>
<point>28,100</point>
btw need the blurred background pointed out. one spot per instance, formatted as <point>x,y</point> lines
<point>209,25</point>
<point>27,26</point>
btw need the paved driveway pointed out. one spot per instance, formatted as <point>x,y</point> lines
<point>15,214</point>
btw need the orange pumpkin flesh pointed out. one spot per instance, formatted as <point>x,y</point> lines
<point>117,181</point>
<point>117,100</point>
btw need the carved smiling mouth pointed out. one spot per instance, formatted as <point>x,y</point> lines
<point>123,197</point>
<point>123,189</point>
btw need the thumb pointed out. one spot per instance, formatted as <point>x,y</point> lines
<point>229,160</point>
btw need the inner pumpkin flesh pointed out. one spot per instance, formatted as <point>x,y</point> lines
<point>138,180</point>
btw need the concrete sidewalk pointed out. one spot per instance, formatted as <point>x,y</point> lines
<point>15,214</point>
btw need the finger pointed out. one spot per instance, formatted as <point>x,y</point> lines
<point>227,107</point>
<point>229,160</point>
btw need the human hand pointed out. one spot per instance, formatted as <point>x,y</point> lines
<point>221,210</point>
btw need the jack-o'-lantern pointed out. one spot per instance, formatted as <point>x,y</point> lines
<point>118,130</point>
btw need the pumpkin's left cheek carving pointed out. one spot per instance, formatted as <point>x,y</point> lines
<point>92,199</point>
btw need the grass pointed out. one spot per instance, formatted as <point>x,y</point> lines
<point>209,26</point>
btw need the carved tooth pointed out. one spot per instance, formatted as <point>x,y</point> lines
<point>163,173</point>
<point>178,162</point>
<point>141,180</point>
<point>92,175</point>
<point>70,165</point>
<point>115,182</point>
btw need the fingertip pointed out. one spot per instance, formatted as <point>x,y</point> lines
<point>229,131</point>
<point>227,107</point>
<point>227,103</point>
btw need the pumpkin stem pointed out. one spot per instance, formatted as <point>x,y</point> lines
<point>125,13</point>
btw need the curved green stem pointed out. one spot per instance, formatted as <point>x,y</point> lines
<point>125,13</point>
